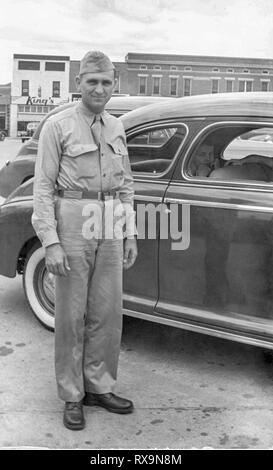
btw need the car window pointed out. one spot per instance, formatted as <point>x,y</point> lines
<point>153,150</point>
<point>155,138</point>
<point>234,152</point>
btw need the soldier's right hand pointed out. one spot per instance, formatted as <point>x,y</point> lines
<point>56,260</point>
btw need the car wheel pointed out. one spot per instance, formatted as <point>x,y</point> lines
<point>39,287</point>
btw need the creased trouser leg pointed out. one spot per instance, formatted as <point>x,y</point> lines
<point>70,304</point>
<point>104,319</point>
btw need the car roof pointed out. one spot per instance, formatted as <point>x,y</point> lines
<point>116,105</point>
<point>250,104</point>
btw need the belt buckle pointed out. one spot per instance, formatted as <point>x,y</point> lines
<point>108,196</point>
<point>73,194</point>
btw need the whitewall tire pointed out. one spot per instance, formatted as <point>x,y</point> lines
<point>39,286</point>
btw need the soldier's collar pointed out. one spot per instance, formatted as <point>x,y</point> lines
<point>89,115</point>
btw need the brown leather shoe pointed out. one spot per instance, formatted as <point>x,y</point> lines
<point>73,415</point>
<point>111,402</point>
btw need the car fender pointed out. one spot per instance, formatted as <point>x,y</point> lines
<point>15,232</point>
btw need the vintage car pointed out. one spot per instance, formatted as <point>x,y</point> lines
<point>21,168</point>
<point>205,223</point>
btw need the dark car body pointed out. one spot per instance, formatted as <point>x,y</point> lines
<point>211,270</point>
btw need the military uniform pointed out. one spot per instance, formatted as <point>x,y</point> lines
<point>74,170</point>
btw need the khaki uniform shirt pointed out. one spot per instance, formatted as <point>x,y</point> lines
<point>69,158</point>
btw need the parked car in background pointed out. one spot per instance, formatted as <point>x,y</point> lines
<point>3,135</point>
<point>21,168</point>
<point>31,127</point>
<point>206,263</point>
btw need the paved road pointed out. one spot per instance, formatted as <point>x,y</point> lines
<point>190,391</point>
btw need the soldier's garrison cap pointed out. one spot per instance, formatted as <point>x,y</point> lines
<point>95,62</point>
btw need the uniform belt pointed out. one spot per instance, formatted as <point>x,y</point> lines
<point>99,195</point>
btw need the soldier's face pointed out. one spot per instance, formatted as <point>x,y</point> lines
<point>96,89</point>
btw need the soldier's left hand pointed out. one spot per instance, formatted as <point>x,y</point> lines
<point>130,253</point>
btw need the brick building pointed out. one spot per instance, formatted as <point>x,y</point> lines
<point>182,75</point>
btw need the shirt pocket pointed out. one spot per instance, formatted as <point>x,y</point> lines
<point>119,152</point>
<point>84,159</point>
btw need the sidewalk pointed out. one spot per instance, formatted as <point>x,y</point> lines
<point>190,391</point>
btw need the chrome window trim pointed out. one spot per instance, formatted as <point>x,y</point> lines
<point>240,338</point>
<point>220,183</point>
<point>148,198</point>
<point>147,127</point>
<point>222,205</point>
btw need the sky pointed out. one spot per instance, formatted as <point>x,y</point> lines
<point>236,28</point>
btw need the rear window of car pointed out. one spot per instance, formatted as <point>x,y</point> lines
<point>234,152</point>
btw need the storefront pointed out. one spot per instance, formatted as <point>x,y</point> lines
<point>32,109</point>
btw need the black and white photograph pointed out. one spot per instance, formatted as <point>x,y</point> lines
<point>136,227</point>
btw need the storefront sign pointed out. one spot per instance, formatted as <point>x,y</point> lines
<point>37,101</point>
<point>32,100</point>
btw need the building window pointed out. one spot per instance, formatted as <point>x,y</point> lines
<point>157,67</point>
<point>265,86</point>
<point>187,87</point>
<point>25,87</point>
<point>173,67</point>
<point>188,69</point>
<point>143,67</point>
<point>229,86</point>
<point>214,86</point>
<point>28,65</point>
<point>156,85</point>
<point>39,91</point>
<point>249,86</point>
<point>173,86</point>
<point>230,70</point>
<point>142,85</point>
<point>265,72</point>
<point>35,109</point>
<point>216,70</point>
<point>55,66</point>
<point>56,89</point>
<point>245,85</point>
<point>246,71</point>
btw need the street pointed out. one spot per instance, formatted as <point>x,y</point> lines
<point>189,390</point>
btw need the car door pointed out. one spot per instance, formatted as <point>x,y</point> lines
<point>217,278</point>
<point>153,150</point>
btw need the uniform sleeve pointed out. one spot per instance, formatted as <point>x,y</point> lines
<point>127,195</point>
<point>46,173</point>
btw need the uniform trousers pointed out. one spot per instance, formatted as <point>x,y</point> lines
<point>88,306</point>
